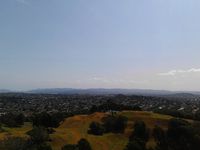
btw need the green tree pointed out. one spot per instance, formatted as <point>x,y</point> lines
<point>140,131</point>
<point>12,120</point>
<point>139,137</point>
<point>182,135</point>
<point>19,119</point>
<point>160,138</point>
<point>115,124</point>
<point>38,135</point>
<point>96,128</point>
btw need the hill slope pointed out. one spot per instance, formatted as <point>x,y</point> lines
<point>74,128</point>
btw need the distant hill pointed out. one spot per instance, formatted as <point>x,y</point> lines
<point>184,95</point>
<point>102,91</point>
<point>5,91</point>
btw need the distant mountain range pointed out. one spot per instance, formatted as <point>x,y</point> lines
<point>5,91</point>
<point>102,91</point>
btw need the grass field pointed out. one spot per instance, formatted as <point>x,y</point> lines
<point>74,128</point>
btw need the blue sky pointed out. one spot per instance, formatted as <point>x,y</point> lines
<point>151,44</point>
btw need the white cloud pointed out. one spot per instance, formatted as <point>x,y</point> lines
<point>179,71</point>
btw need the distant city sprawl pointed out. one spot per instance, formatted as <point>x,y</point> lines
<point>186,106</point>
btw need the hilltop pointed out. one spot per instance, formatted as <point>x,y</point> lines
<point>74,128</point>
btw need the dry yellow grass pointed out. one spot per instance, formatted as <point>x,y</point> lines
<point>76,127</point>
<point>151,119</point>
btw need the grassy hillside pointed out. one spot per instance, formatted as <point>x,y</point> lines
<point>74,128</point>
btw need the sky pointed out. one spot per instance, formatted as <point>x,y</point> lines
<point>142,44</point>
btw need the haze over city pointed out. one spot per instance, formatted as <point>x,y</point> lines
<point>144,44</point>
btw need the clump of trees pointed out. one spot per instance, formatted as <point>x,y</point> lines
<point>38,135</point>
<point>38,138</point>
<point>47,120</point>
<point>139,137</point>
<point>181,135</point>
<point>13,143</point>
<point>140,131</point>
<point>82,144</point>
<point>114,124</point>
<point>160,137</point>
<point>37,141</point>
<point>12,119</point>
<point>96,128</point>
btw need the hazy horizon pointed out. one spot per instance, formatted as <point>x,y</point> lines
<point>132,44</point>
<point>91,88</point>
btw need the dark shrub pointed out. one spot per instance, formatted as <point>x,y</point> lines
<point>96,128</point>
<point>115,124</point>
<point>83,144</point>
<point>44,146</point>
<point>135,145</point>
